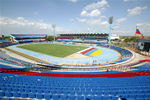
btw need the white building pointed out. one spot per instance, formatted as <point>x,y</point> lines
<point>114,37</point>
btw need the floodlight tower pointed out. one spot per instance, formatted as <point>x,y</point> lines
<point>54,26</point>
<point>110,22</point>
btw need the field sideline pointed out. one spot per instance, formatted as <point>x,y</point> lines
<point>53,49</point>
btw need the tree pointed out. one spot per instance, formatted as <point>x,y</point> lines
<point>51,38</point>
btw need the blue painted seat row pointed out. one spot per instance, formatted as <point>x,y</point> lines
<point>38,87</point>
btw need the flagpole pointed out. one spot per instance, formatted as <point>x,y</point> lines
<point>135,38</point>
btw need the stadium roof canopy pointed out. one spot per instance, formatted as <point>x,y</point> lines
<point>82,34</point>
<point>144,40</point>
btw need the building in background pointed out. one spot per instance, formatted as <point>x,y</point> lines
<point>143,45</point>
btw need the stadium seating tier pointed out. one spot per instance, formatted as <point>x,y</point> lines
<point>25,83</point>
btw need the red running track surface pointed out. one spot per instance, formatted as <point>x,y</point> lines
<point>114,75</point>
<point>87,51</point>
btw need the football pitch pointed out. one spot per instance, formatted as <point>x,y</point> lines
<point>56,50</point>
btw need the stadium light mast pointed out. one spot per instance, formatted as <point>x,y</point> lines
<point>110,22</point>
<point>54,26</point>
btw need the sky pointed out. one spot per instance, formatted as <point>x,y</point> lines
<point>74,16</point>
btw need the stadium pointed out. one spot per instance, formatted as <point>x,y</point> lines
<point>74,50</point>
<point>73,67</point>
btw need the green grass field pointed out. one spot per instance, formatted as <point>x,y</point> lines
<point>53,49</point>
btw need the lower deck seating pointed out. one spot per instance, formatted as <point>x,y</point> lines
<point>97,41</point>
<point>145,67</point>
<point>22,84</point>
<point>56,88</point>
<point>14,61</point>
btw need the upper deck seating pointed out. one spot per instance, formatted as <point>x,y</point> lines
<point>96,41</point>
<point>21,38</point>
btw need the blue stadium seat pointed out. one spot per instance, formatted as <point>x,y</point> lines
<point>30,95</point>
<point>39,91</point>
<point>47,96</point>
<point>8,94</point>
<point>105,97</point>
<point>72,97</point>
<point>24,95</point>
<point>1,94</point>
<point>5,99</point>
<point>63,97</point>
<point>114,98</point>
<point>55,97</point>
<point>33,91</point>
<point>130,98</point>
<point>88,97</point>
<point>16,94</point>
<point>79,92</point>
<point>80,97</point>
<point>97,97</point>
<point>47,91</point>
<point>39,96</point>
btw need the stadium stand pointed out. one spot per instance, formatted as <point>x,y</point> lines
<point>31,85</point>
<point>22,38</point>
<point>11,60</point>
<point>126,54</point>
<point>30,82</point>
<point>96,38</point>
<point>5,43</point>
<point>85,36</point>
<point>95,41</point>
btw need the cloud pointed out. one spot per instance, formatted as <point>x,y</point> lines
<point>144,28</point>
<point>136,11</point>
<point>125,0</point>
<point>143,24</point>
<point>93,13</point>
<point>82,20</point>
<point>36,13</point>
<point>96,5</point>
<point>73,1</point>
<point>104,17</point>
<point>93,22</point>
<point>121,20</point>
<point>84,13</point>
<point>23,22</point>
<point>22,25</point>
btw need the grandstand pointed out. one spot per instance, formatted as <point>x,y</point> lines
<point>106,74</point>
<point>22,38</point>
<point>96,38</point>
<point>4,43</point>
<point>84,38</point>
